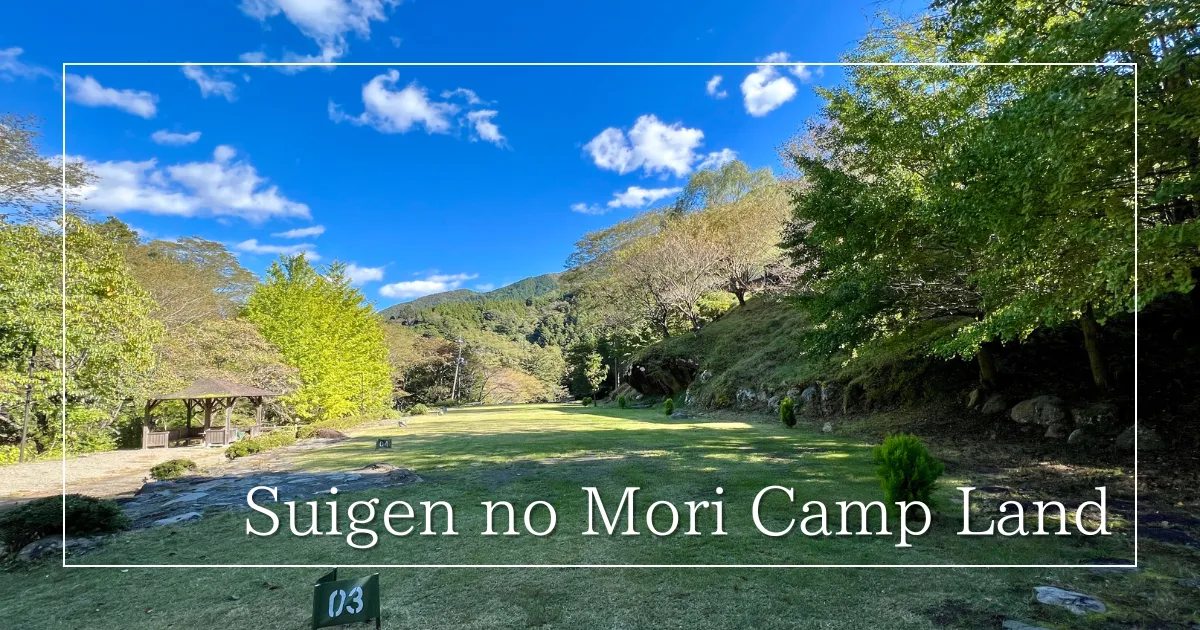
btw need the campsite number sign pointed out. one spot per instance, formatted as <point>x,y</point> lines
<point>383,443</point>
<point>337,602</point>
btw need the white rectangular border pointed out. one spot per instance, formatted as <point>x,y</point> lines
<point>65,65</point>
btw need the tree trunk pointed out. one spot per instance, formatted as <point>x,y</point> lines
<point>740,292</point>
<point>1095,349</point>
<point>989,377</point>
<point>28,405</point>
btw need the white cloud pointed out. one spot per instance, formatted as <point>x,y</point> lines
<point>398,111</point>
<point>651,145</point>
<point>487,286</point>
<point>583,208</point>
<point>257,56</point>
<point>766,89</point>
<point>636,196</point>
<point>362,275</point>
<point>326,22</point>
<point>220,188</point>
<point>396,41</point>
<point>712,87</point>
<point>468,95</point>
<point>170,138</point>
<point>88,91</point>
<point>211,84</point>
<point>717,159</point>
<point>487,130</point>
<point>315,230</point>
<point>13,68</point>
<point>252,246</point>
<point>436,283</point>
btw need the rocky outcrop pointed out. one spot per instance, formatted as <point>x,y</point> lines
<point>1042,410</point>
<point>1147,439</point>
<point>662,376</point>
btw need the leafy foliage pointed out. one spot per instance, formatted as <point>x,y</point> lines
<point>251,446</point>
<point>418,409</point>
<point>587,401</point>
<point>669,406</point>
<point>172,469</point>
<point>39,518</point>
<point>324,326</point>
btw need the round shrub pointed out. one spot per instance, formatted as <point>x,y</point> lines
<point>418,409</point>
<point>787,411</point>
<point>668,406</point>
<point>587,400</point>
<point>172,469</point>
<point>906,469</point>
<point>622,402</point>
<point>274,439</point>
<point>86,516</point>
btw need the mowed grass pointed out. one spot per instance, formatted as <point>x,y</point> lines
<point>523,454</point>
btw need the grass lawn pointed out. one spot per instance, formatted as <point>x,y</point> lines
<point>526,453</point>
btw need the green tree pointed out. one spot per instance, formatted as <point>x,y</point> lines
<point>325,328</point>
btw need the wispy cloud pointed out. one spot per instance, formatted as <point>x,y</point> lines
<point>485,128</point>
<point>326,22</point>
<point>362,275</point>
<point>11,67</point>
<point>305,232</point>
<point>212,84</point>
<point>252,246</point>
<point>170,138</point>
<point>435,283</point>
<point>712,87</point>
<point>636,196</point>
<point>88,91</point>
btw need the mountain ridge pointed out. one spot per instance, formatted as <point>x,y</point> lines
<point>526,288</point>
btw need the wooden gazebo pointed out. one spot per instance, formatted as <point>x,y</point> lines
<point>207,394</point>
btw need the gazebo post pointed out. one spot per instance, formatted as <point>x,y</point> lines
<point>229,410</point>
<point>258,410</point>
<point>146,423</point>
<point>190,405</point>
<point>207,406</point>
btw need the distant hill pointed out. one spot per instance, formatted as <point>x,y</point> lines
<point>528,288</point>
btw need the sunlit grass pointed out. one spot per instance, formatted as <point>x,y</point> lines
<point>550,452</point>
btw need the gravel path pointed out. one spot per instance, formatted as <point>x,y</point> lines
<point>107,474</point>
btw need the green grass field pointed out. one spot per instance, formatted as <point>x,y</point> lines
<point>522,454</point>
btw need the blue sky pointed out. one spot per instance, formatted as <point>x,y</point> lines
<point>424,178</point>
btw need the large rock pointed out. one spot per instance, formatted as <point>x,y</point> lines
<point>1099,415</point>
<point>995,404</point>
<point>1043,410</point>
<point>51,545</point>
<point>1147,440</point>
<point>831,397</point>
<point>809,400</point>
<point>662,376</point>
<point>1013,624</point>
<point>1077,603</point>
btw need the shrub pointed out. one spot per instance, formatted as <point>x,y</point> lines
<point>172,469</point>
<point>587,400</point>
<point>330,434</point>
<point>787,411</point>
<point>275,439</point>
<point>906,469</point>
<point>341,424</point>
<point>622,402</point>
<point>86,516</point>
<point>418,409</point>
<point>668,406</point>
<point>722,400</point>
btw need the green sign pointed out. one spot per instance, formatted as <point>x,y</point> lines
<point>383,443</point>
<point>337,602</point>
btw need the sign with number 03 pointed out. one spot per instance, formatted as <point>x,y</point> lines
<point>337,602</point>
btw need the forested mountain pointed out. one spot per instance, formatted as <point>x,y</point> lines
<point>528,288</point>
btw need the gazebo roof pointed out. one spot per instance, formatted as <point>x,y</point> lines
<point>214,388</point>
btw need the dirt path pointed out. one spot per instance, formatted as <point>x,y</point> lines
<point>107,474</point>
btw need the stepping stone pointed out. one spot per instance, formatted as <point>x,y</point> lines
<point>187,498</point>
<point>178,518</point>
<point>1077,603</point>
<point>1012,624</point>
<point>301,479</point>
<point>353,477</point>
<point>209,485</point>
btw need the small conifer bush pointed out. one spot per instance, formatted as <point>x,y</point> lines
<point>668,406</point>
<point>622,402</point>
<point>787,411</point>
<point>587,401</point>
<point>906,469</point>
